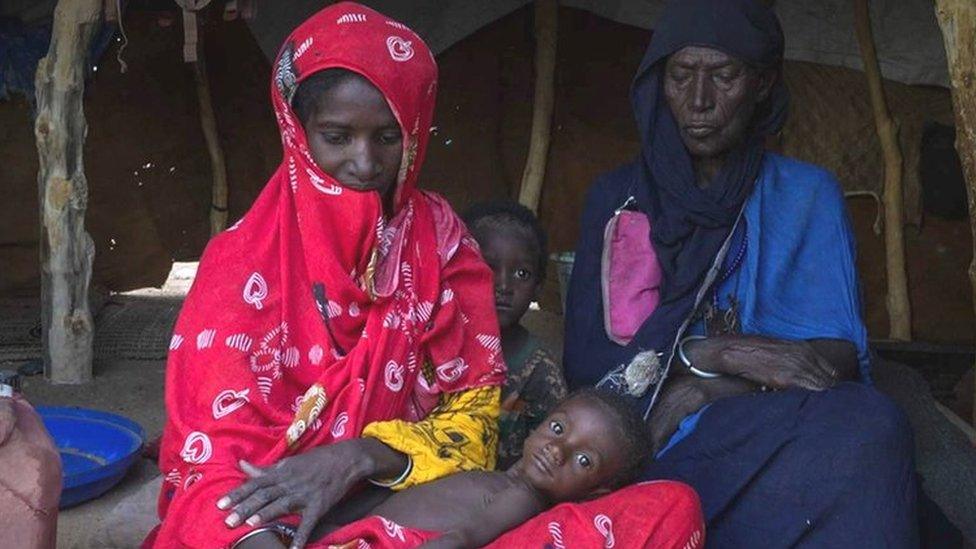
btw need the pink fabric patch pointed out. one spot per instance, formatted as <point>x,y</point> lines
<point>630,275</point>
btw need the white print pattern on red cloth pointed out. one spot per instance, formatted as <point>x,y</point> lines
<point>205,339</point>
<point>556,530</point>
<point>335,310</point>
<point>400,50</point>
<point>362,385</point>
<point>604,525</point>
<point>451,370</point>
<point>424,310</point>
<point>363,544</point>
<point>241,342</point>
<point>191,479</point>
<point>339,425</point>
<point>397,25</point>
<point>412,362</point>
<point>351,18</point>
<point>391,320</point>
<point>694,542</point>
<point>302,48</point>
<point>491,343</point>
<point>174,477</point>
<point>316,354</point>
<point>447,296</point>
<point>292,174</point>
<point>353,309</point>
<point>321,185</point>
<point>264,385</point>
<point>273,351</point>
<point>393,529</point>
<point>175,342</point>
<point>393,376</point>
<point>196,448</point>
<point>228,401</point>
<point>255,291</point>
<point>291,357</point>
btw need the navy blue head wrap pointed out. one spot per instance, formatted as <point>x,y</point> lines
<point>689,223</point>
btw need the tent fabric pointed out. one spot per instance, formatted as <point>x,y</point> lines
<point>907,34</point>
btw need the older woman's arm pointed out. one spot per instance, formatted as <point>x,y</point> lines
<point>748,363</point>
<point>781,364</point>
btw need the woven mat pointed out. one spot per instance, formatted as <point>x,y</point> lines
<point>20,330</point>
<point>136,328</point>
<point>128,327</point>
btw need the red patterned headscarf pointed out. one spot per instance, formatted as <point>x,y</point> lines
<point>313,316</point>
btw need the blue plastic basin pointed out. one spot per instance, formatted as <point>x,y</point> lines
<point>97,449</point>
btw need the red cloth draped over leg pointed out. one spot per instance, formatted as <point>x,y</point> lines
<point>657,514</point>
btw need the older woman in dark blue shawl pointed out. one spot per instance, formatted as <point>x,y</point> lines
<point>760,396</point>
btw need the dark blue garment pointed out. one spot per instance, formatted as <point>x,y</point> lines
<point>801,468</point>
<point>690,223</point>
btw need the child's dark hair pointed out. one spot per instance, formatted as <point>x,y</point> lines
<point>310,91</point>
<point>634,434</point>
<point>508,213</point>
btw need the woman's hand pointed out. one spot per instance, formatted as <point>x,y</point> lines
<point>309,483</point>
<point>681,396</point>
<point>775,363</point>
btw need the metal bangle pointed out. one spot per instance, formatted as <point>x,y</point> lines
<point>253,533</point>
<point>391,483</point>
<point>684,358</point>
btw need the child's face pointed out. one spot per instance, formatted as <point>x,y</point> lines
<point>355,138</point>
<point>573,453</point>
<point>513,261</point>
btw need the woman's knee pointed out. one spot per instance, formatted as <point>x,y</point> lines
<point>866,420</point>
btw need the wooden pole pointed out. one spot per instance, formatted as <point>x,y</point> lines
<point>208,123</point>
<point>67,251</point>
<point>957,18</point>
<point>546,25</point>
<point>899,308</point>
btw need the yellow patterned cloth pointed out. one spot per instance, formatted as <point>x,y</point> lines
<point>460,434</point>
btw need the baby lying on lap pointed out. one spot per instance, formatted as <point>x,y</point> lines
<point>591,444</point>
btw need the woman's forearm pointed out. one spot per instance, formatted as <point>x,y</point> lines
<point>383,462</point>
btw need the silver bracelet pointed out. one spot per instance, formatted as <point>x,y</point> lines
<point>253,533</point>
<point>687,363</point>
<point>391,483</point>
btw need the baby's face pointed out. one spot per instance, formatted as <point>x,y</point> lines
<point>573,453</point>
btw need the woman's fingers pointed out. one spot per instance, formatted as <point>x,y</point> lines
<point>274,509</point>
<point>252,471</point>
<point>258,499</point>
<point>310,517</point>
<point>258,479</point>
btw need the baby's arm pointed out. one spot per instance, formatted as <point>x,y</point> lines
<point>478,527</point>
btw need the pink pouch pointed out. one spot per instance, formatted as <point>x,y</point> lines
<point>630,274</point>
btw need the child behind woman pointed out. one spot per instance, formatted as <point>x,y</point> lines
<point>514,246</point>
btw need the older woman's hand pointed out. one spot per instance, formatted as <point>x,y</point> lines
<point>309,483</point>
<point>775,363</point>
